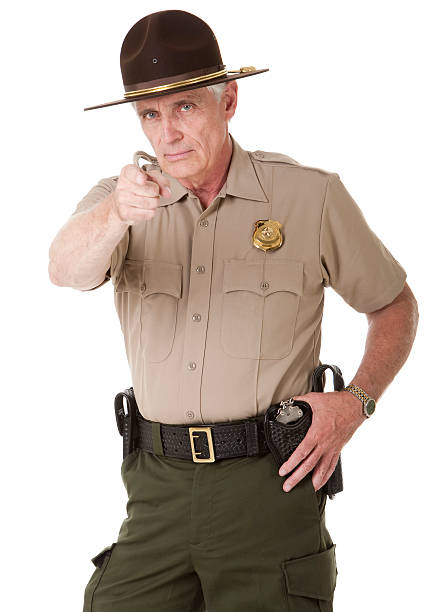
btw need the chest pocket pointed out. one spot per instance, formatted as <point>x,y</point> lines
<point>260,307</point>
<point>153,289</point>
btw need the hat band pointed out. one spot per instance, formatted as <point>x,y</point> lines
<point>198,79</point>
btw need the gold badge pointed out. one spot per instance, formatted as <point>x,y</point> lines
<point>267,235</point>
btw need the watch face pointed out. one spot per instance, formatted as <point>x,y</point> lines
<point>370,406</point>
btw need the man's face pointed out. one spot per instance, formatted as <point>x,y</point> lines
<point>187,130</point>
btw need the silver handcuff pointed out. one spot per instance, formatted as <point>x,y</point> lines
<point>149,158</point>
<point>287,412</point>
<point>143,155</point>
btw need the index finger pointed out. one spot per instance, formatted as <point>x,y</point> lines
<point>134,174</point>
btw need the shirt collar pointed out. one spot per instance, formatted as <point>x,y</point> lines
<point>241,182</point>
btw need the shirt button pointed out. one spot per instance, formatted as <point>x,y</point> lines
<point>191,365</point>
<point>265,285</point>
<point>143,287</point>
<point>196,317</point>
<point>200,269</point>
<point>190,414</point>
<point>259,154</point>
<point>204,223</point>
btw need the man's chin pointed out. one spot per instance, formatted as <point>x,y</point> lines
<point>178,169</point>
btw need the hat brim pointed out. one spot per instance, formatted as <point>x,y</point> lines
<point>229,77</point>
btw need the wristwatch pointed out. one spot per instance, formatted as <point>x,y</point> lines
<point>368,403</point>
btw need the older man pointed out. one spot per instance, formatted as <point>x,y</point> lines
<point>219,258</point>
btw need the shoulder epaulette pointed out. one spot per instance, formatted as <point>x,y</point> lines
<point>268,156</point>
<point>280,158</point>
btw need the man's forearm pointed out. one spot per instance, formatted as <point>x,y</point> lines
<point>391,333</point>
<point>81,251</point>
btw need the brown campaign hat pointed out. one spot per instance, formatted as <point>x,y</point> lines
<point>171,51</point>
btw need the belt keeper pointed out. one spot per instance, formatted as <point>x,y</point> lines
<point>156,439</point>
<point>252,438</point>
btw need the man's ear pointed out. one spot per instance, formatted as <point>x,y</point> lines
<point>230,98</point>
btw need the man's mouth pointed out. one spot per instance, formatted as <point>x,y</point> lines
<point>180,155</point>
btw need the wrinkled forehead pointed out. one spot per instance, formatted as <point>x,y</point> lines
<point>196,95</point>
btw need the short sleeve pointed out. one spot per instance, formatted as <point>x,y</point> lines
<point>353,259</point>
<point>97,194</point>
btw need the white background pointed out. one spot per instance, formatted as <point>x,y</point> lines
<point>353,89</point>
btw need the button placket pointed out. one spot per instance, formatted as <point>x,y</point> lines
<point>197,308</point>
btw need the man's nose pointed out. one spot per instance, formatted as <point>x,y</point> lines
<point>170,130</point>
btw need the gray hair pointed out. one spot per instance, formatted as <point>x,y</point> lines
<point>216,89</point>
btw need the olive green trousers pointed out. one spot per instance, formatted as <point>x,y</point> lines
<point>215,537</point>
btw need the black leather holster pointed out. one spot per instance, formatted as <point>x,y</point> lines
<point>127,421</point>
<point>283,438</point>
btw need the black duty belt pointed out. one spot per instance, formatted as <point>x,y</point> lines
<point>202,444</point>
<point>208,443</point>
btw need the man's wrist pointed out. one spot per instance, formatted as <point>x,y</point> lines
<point>355,405</point>
<point>366,402</point>
<point>119,224</point>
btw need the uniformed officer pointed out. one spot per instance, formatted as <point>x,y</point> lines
<point>219,258</point>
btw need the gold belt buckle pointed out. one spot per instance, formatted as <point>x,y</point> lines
<point>208,432</point>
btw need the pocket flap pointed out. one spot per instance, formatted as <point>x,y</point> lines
<point>312,576</point>
<point>163,277</point>
<point>98,559</point>
<point>131,276</point>
<point>277,275</point>
<point>146,277</point>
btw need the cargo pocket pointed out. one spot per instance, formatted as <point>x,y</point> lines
<point>260,307</point>
<point>100,561</point>
<point>310,581</point>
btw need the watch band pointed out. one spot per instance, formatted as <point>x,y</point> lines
<point>368,403</point>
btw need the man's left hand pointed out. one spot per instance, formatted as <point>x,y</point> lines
<point>336,416</point>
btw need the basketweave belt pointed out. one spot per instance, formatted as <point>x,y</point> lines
<point>204,444</point>
<point>208,443</point>
<point>201,444</point>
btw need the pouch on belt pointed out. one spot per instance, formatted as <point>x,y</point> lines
<point>283,438</point>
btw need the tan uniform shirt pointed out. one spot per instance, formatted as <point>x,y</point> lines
<point>216,329</point>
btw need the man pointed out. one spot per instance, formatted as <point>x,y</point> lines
<point>219,258</point>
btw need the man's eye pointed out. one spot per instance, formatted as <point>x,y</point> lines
<point>188,105</point>
<point>149,114</point>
